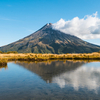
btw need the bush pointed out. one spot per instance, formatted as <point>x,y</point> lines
<point>1,52</point>
<point>15,52</point>
<point>99,52</point>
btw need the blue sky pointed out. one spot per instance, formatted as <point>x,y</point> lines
<point>20,18</point>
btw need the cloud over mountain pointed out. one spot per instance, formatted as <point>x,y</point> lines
<point>85,28</point>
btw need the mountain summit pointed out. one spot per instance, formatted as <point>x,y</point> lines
<point>49,40</point>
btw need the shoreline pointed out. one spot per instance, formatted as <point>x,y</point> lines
<point>4,58</point>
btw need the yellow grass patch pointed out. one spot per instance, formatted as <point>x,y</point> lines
<point>42,57</point>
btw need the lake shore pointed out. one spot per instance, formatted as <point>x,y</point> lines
<point>4,58</point>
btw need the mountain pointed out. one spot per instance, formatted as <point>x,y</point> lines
<point>48,40</point>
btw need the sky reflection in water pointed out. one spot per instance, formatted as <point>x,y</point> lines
<point>86,76</point>
<point>56,80</point>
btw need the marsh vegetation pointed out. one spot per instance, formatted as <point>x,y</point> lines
<point>13,56</point>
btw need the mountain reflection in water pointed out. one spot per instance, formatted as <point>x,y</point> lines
<point>84,76</point>
<point>75,74</point>
<point>47,71</point>
<point>56,80</point>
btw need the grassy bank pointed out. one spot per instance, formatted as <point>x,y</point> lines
<point>3,62</point>
<point>43,57</point>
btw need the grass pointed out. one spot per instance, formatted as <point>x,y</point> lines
<point>4,58</point>
<point>4,66</point>
<point>3,62</point>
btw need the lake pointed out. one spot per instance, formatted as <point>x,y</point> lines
<point>52,80</point>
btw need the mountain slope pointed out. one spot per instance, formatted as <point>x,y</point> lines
<point>48,40</point>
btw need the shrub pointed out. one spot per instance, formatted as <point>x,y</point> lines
<point>1,52</point>
<point>99,52</point>
<point>15,52</point>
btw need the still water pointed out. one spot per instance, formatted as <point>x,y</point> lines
<point>56,80</point>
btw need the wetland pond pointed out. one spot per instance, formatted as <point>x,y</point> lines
<point>56,80</point>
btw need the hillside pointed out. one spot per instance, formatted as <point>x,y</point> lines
<point>48,40</point>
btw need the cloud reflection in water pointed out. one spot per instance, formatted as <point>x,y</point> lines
<point>86,76</point>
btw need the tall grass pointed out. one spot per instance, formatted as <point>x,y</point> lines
<point>3,61</point>
<point>43,57</point>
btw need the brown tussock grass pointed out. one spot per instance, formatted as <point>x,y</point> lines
<point>4,58</point>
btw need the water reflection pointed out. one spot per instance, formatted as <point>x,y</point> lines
<point>66,80</point>
<point>48,71</point>
<point>5,67</point>
<point>85,76</point>
<point>75,74</point>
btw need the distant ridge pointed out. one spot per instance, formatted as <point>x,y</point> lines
<point>48,40</point>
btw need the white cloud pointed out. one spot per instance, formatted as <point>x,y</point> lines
<point>85,28</point>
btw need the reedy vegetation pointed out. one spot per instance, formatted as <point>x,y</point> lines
<point>5,57</point>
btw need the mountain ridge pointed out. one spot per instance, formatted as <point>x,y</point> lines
<point>49,40</point>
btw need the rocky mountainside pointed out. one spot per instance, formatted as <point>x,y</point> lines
<point>48,40</point>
